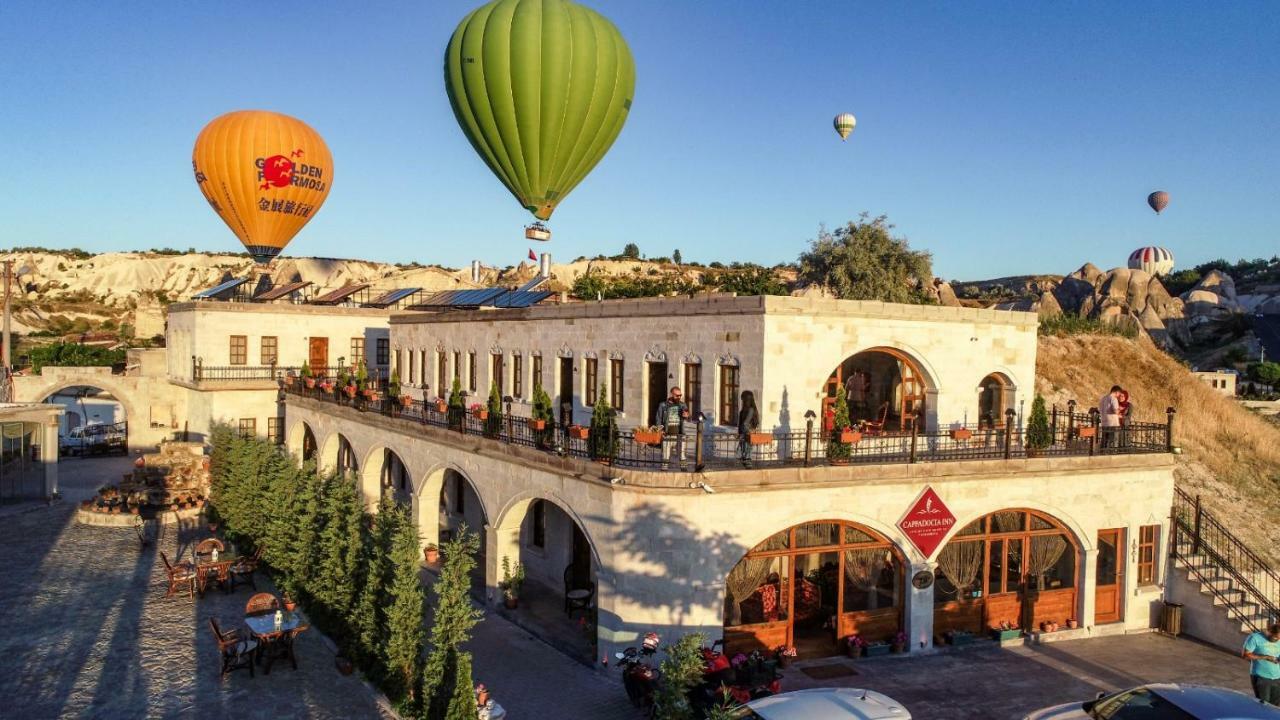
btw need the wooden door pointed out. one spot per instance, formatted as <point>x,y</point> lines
<point>1109,592</point>
<point>657,390</point>
<point>318,354</point>
<point>912,396</point>
<point>566,390</point>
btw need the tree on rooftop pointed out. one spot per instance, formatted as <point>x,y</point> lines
<point>446,680</point>
<point>863,261</point>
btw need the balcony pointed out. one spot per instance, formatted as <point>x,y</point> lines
<point>695,450</point>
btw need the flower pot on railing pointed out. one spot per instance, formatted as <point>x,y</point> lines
<point>310,383</point>
<point>962,434</point>
<point>442,406</point>
<point>371,395</point>
<point>760,438</point>
<point>579,432</point>
<point>537,425</point>
<point>1087,432</point>
<point>406,402</point>
<point>350,391</point>
<point>849,436</point>
<point>480,414</point>
<point>648,437</point>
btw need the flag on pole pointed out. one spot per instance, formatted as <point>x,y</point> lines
<point>532,256</point>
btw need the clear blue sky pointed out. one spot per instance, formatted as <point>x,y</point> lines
<point>1002,137</point>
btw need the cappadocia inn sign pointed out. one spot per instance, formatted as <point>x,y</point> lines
<point>927,522</point>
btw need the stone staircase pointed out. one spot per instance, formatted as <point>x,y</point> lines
<point>1227,591</point>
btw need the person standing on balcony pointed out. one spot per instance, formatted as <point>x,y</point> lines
<point>748,420</point>
<point>1263,650</point>
<point>1109,414</point>
<point>672,413</point>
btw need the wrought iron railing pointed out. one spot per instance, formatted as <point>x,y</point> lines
<point>1198,534</point>
<point>694,448</point>
<point>377,377</point>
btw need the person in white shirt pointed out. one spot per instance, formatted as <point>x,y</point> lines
<point>1109,414</point>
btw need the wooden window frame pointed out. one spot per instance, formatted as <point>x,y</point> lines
<point>272,342</point>
<point>517,379</point>
<point>498,372</point>
<point>616,383</point>
<point>442,373</point>
<point>537,372</point>
<point>471,371</point>
<point>357,351</point>
<point>248,427</point>
<point>238,350</point>
<point>275,426</point>
<point>693,387</point>
<point>1148,544</point>
<point>591,378</point>
<point>382,351</point>
<point>730,382</point>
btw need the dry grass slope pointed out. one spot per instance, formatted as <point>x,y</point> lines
<point>1231,456</point>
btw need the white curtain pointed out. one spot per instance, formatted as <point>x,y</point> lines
<point>961,562</point>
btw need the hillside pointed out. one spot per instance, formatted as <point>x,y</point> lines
<point>1231,457</point>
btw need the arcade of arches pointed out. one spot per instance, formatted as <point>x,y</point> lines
<point>812,585</point>
<point>883,387</point>
<point>1014,566</point>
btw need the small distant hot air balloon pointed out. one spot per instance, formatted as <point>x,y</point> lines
<point>265,174</point>
<point>844,124</point>
<point>1154,260</point>
<point>1158,200</point>
<point>541,88</point>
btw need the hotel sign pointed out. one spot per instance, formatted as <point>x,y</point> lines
<point>927,522</point>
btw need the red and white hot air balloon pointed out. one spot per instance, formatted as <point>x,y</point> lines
<point>1154,260</point>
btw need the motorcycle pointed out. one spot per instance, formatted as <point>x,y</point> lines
<point>639,675</point>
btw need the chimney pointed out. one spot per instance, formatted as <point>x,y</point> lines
<point>544,265</point>
<point>475,271</point>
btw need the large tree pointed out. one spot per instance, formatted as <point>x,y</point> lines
<point>406,606</point>
<point>446,680</point>
<point>864,261</point>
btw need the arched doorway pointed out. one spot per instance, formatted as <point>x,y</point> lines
<point>94,420</point>
<point>459,504</point>
<point>385,476</point>
<point>308,443</point>
<point>1015,566</point>
<point>812,586</point>
<point>995,395</point>
<point>346,461</point>
<point>884,388</point>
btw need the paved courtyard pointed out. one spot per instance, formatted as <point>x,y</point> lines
<point>87,633</point>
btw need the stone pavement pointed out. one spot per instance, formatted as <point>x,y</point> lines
<point>86,631</point>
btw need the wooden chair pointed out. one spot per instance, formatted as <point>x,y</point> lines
<point>242,569</point>
<point>236,652</point>
<point>179,575</point>
<point>206,547</point>
<point>876,427</point>
<point>262,603</point>
<point>577,596</point>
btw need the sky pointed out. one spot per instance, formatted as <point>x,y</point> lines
<point>1003,137</point>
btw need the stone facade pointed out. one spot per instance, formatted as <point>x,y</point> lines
<point>30,438</point>
<point>1220,380</point>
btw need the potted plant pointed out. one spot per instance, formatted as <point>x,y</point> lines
<point>854,645</point>
<point>327,387</point>
<point>648,435</point>
<point>362,376</point>
<point>839,447</point>
<point>1072,624</point>
<point>482,695</point>
<point>289,603</point>
<point>542,413</point>
<point>349,391</point>
<point>899,642</point>
<point>877,648</point>
<point>393,385</point>
<point>786,655</point>
<point>760,438</point>
<point>849,436</point>
<point>1005,631</point>
<point>479,412</point>
<point>1038,435</point>
<point>602,443</point>
<point>457,406</point>
<point>431,554</point>
<point>493,425</point>
<point>512,579</point>
<point>578,432</point>
<point>308,377</point>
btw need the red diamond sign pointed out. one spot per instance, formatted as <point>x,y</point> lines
<point>927,522</point>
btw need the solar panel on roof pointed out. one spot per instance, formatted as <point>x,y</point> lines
<point>391,297</point>
<point>220,288</point>
<point>519,299</point>
<point>475,298</point>
<point>336,296</point>
<point>535,282</point>
<point>278,292</point>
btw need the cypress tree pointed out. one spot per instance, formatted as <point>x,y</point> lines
<point>443,677</point>
<point>370,618</point>
<point>341,542</point>
<point>404,612</point>
<point>493,425</point>
<point>308,518</point>
<point>462,706</point>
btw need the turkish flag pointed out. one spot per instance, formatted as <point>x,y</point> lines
<point>532,256</point>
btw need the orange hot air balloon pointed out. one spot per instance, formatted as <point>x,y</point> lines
<point>265,174</point>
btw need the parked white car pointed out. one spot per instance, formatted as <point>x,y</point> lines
<point>825,704</point>
<point>1165,701</point>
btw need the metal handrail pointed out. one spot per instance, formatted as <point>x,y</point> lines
<point>694,448</point>
<point>1209,537</point>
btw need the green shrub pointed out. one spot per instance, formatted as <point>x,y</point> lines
<point>1064,325</point>
<point>1038,434</point>
<point>837,450</point>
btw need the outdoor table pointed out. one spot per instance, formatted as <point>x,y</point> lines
<point>272,642</point>
<point>219,572</point>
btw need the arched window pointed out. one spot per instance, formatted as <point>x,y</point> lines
<point>994,397</point>
<point>812,586</point>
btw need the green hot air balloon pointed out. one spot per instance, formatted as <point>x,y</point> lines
<point>541,88</point>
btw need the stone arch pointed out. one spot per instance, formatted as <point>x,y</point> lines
<point>384,471</point>
<point>997,392</point>
<point>103,381</point>
<point>513,513</point>
<point>427,500</point>
<point>336,454</point>
<point>302,442</point>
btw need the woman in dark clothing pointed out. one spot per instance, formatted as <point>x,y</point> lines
<point>748,421</point>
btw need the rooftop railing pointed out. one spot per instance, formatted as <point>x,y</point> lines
<point>693,448</point>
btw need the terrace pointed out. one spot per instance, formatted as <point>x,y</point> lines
<point>1072,433</point>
